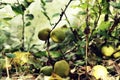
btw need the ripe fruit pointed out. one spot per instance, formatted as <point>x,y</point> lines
<point>47,70</point>
<point>107,50</point>
<point>61,68</point>
<point>117,54</point>
<point>43,34</point>
<point>58,35</point>
<point>99,71</point>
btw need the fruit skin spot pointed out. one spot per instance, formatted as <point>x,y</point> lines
<point>58,35</point>
<point>99,71</point>
<point>44,34</point>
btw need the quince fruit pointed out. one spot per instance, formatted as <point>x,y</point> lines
<point>117,54</point>
<point>107,50</point>
<point>47,70</point>
<point>62,68</point>
<point>44,33</point>
<point>58,35</point>
<point>99,72</point>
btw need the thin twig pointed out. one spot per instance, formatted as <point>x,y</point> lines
<point>23,28</point>
<point>87,32</point>
<point>96,21</point>
<point>62,13</point>
<point>23,32</point>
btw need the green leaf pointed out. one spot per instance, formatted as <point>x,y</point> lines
<point>82,13</point>
<point>55,54</point>
<point>28,23</point>
<point>83,5</point>
<point>104,25</point>
<point>105,7</point>
<point>55,15</point>
<point>19,9</point>
<point>115,5</point>
<point>29,16</point>
<point>43,2</point>
<point>40,54</point>
<point>79,62</point>
<point>3,37</point>
<point>10,55</point>
<point>7,18</point>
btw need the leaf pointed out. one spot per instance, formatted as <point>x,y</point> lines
<point>28,23</point>
<point>79,62</point>
<point>82,13</point>
<point>10,55</point>
<point>115,5</point>
<point>39,54</point>
<point>43,2</point>
<point>19,9</point>
<point>30,16</point>
<point>83,5</point>
<point>105,6</point>
<point>55,54</point>
<point>55,15</point>
<point>104,25</point>
<point>7,18</point>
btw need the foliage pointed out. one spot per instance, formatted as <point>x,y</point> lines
<point>95,24</point>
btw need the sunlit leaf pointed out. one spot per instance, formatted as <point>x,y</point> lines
<point>104,25</point>
<point>55,54</point>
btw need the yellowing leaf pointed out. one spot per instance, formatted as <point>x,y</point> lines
<point>55,77</point>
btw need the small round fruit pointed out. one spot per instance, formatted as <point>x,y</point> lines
<point>43,34</point>
<point>47,70</point>
<point>62,68</point>
<point>58,35</point>
<point>99,71</point>
<point>107,50</point>
<point>117,54</point>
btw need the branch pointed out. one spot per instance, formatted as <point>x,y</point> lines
<point>23,29</point>
<point>61,15</point>
<point>116,22</point>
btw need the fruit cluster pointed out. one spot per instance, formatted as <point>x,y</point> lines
<point>57,35</point>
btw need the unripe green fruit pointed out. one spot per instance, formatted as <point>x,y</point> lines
<point>62,68</point>
<point>47,70</point>
<point>107,50</point>
<point>58,35</point>
<point>43,34</point>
